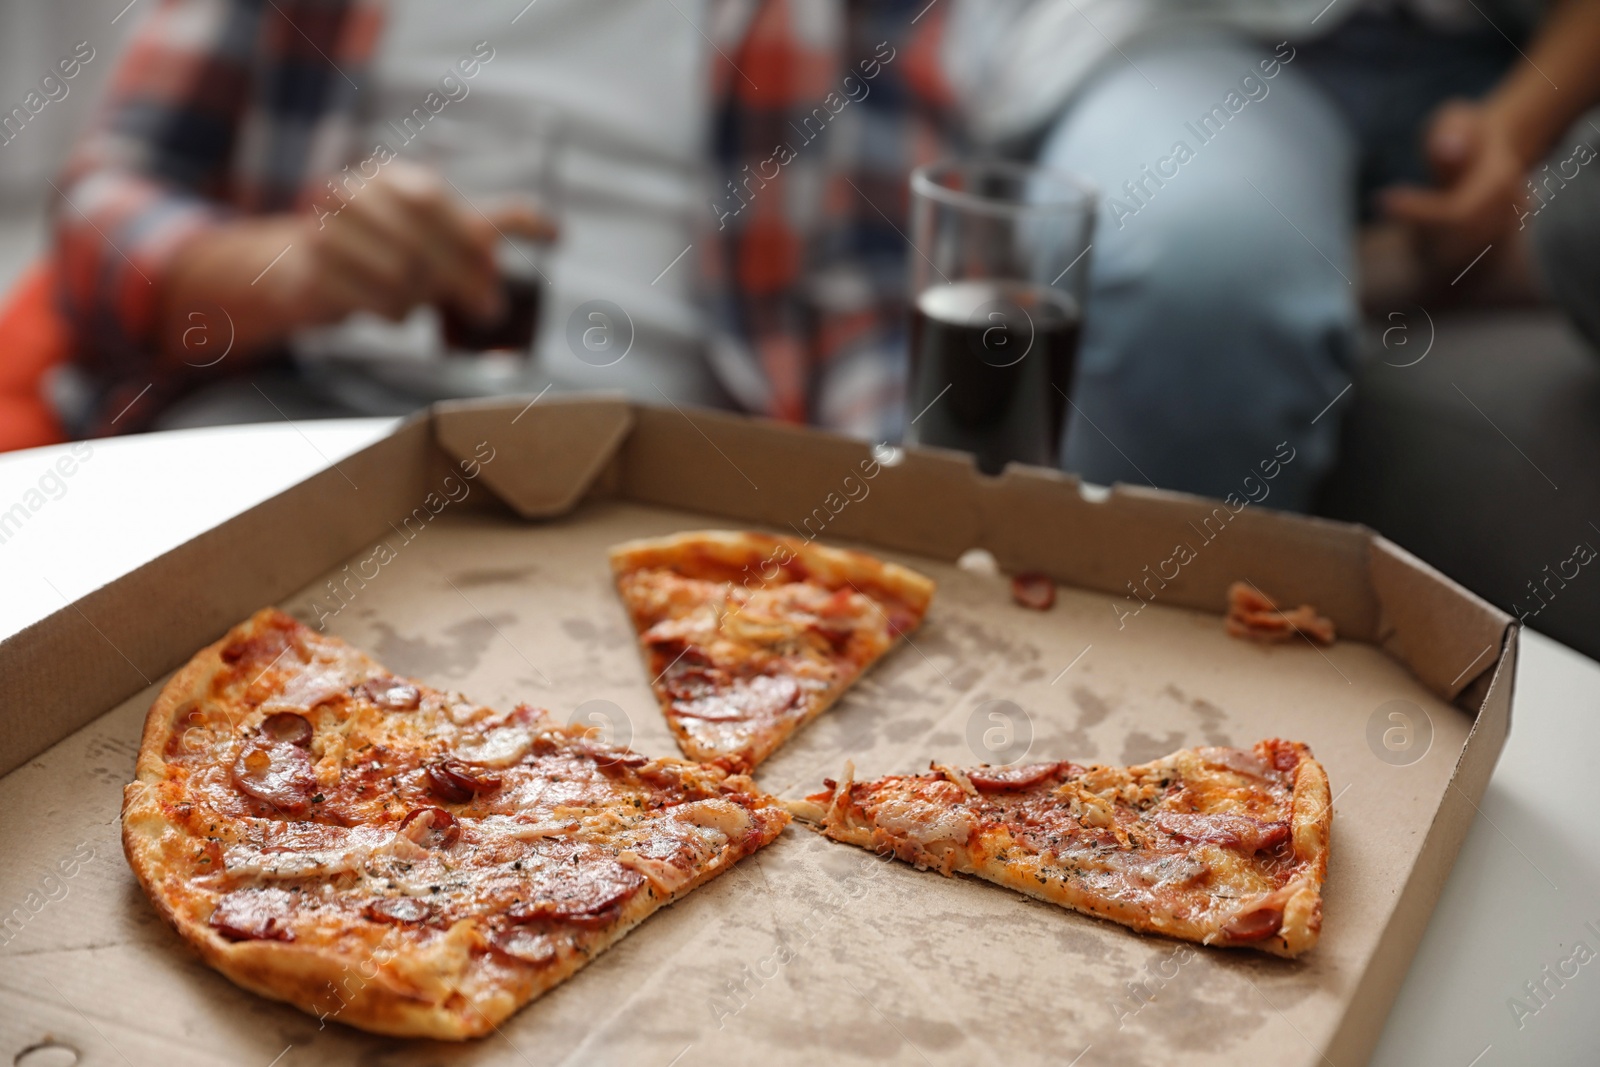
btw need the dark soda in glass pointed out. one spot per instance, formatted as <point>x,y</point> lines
<point>991,369</point>
<point>512,331</point>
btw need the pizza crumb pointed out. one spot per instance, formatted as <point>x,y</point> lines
<point>1254,616</point>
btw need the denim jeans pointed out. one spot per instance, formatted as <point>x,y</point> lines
<point>1222,319</point>
<point>1222,316</point>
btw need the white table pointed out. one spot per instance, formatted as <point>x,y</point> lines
<point>1526,882</point>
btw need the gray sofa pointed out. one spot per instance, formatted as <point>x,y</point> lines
<point>1484,459</point>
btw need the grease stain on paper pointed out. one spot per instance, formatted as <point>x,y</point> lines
<point>462,649</point>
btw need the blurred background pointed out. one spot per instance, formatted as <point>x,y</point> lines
<point>32,36</point>
<point>711,207</point>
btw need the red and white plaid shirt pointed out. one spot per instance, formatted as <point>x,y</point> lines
<point>222,108</point>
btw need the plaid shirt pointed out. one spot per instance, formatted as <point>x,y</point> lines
<point>222,108</point>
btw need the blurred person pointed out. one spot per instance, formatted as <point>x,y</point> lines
<point>262,170</point>
<point>1237,144</point>
<point>1222,319</point>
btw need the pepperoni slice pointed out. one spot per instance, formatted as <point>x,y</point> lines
<point>431,827</point>
<point>608,757</point>
<point>397,910</point>
<point>262,648</point>
<point>1010,779</point>
<point>276,773</point>
<point>391,694</point>
<point>457,783</point>
<point>1257,925</point>
<point>1230,831</point>
<point>287,727</point>
<point>756,697</point>
<point>584,895</point>
<point>525,945</point>
<point>1034,590</point>
<point>253,915</point>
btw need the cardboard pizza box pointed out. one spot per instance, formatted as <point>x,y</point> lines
<point>468,549</point>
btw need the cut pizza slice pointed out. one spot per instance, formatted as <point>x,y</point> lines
<point>1217,845</point>
<point>399,858</point>
<point>747,637</point>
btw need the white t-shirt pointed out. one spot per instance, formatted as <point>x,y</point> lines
<point>627,82</point>
<point>1014,63</point>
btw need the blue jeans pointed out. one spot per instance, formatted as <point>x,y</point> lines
<point>1222,318</point>
<point>1222,315</point>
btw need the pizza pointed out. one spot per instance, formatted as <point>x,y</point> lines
<point>1217,845</point>
<point>747,637</point>
<point>400,858</point>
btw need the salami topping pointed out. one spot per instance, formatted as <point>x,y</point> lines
<point>397,910</point>
<point>276,773</point>
<point>1231,831</point>
<point>1257,925</point>
<point>254,915</point>
<point>526,945</point>
<point>1004,779</point>
<point>287,727</point>
<point>391,694</point>
<point>584,894</point>
<point>457,783</point>
<point>431,828</point>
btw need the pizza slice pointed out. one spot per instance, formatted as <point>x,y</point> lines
<point>747,637</point>
<point>1217,845</point>
<point>399,858</point>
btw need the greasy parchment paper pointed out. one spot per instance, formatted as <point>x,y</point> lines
<point>811,951</point>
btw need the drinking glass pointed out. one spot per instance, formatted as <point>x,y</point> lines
<point>998,271</point>
<point>512,159</point>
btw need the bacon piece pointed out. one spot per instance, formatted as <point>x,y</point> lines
<point>253,915</point>
<point>391,694</point>
<point>276,773</point>
<point>1246,598</point>
<point>431,828</point>
<point>458,783</point>
<point>1254,616</point>
<point>587,895</point>
<point>1230,831</point>
<point>397,910</point>
<point>288,728</point>
<point>988,779</point>
<point>1035,590</point>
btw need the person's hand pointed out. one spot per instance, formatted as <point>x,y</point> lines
<point>401,240</point>
<point>1480,169</point>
